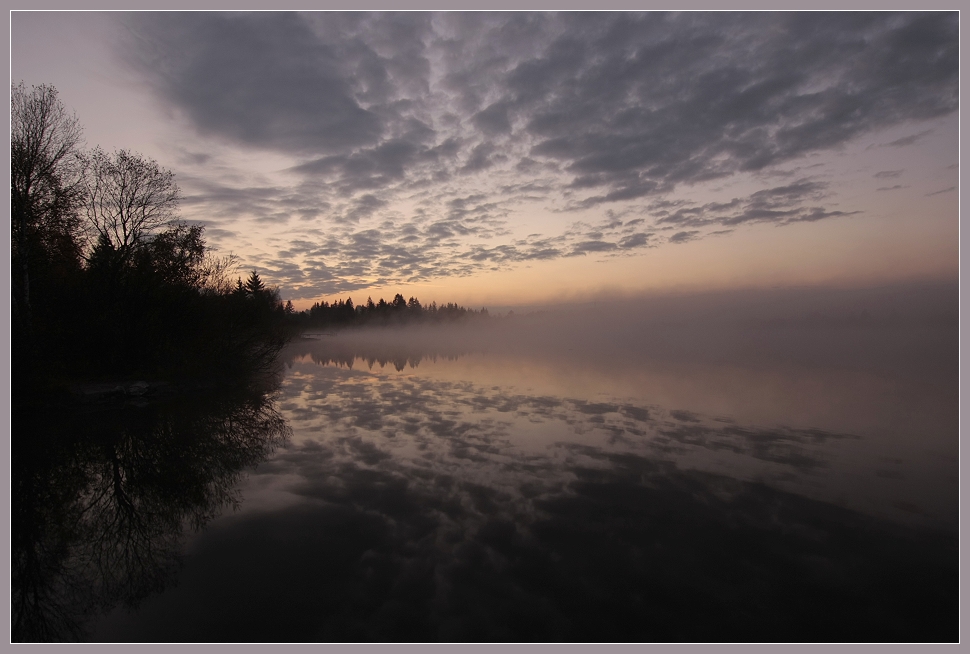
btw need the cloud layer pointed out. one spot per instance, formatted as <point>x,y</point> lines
<point>416,141</point>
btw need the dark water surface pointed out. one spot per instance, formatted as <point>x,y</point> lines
<point>779,482</point>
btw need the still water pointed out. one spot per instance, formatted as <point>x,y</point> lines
<point>474,484</point>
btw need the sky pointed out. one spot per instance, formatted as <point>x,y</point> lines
<point>522,158</point>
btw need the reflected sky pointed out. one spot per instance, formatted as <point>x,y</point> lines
<point>456,487</point>
<point>427,415</point>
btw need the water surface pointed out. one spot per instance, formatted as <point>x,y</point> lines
<point>531,480</point>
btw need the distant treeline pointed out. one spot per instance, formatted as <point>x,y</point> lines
<point>107,282</point>
<point>398,311</point>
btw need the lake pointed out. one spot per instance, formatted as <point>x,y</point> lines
<point>696,474</point>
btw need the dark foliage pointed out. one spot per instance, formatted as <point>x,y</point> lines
<point>152,312</point>
<point>155,312</point>
<point>46,186</point>
<point>107,283</point>
<point>343,313</point>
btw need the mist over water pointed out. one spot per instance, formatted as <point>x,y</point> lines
<point>764,465</point>
<point>878,366</point>
<point>901,329</point>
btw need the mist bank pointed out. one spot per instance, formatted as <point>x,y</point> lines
<point>908,329</point>
<point>879,364</point>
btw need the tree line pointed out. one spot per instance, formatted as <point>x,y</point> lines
<point>342,313</point>
<point>107,280</point>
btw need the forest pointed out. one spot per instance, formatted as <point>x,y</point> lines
<point>109,283</point>
<point>343,313</point>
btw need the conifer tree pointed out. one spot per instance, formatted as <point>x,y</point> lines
<point>254,285</point>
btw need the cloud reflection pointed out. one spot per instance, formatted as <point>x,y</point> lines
<point>431,410</point>
<point>423,501</point>
<point>583,543</point>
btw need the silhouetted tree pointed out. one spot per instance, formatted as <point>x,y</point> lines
<point>46,168</point>
<point>138,293</point>
<point>176,256</point>
<point>398,311</point>
<point>128,197</point>
<point>254,285</point>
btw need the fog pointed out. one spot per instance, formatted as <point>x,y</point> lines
<point>907,329</point>
<point>877,366</point>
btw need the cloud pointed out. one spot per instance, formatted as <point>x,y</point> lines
<point>493,120</point>
<point>634,240</point>
<point>683,237</point>
<point>456,245</point>
<point>593,246</point>
<point>781,205</point>
<point>631,102</point>
<point>907,140</point>
<point>264,80</point>
<point>639,103</point>
<point>480,158</point>
<point>572,112</point>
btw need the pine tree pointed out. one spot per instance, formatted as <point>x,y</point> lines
<point>254,285</point>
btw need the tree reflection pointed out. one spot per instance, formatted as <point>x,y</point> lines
<point>103,496</point>
<point>343,353</point>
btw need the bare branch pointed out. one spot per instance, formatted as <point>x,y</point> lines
<point>129,197</point>
<point>46,174</point>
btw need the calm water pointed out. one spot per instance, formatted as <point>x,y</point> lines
<point>784,482</point>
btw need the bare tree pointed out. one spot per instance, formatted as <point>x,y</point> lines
<point>46,172</point>
<point>128,198</point>
<point>217,273</point>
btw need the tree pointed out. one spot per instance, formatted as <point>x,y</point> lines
<point>128,197</point>
<point>105,278</point>
<point>254,285</point>
<point>46,169</point>
<point>176,256</point>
